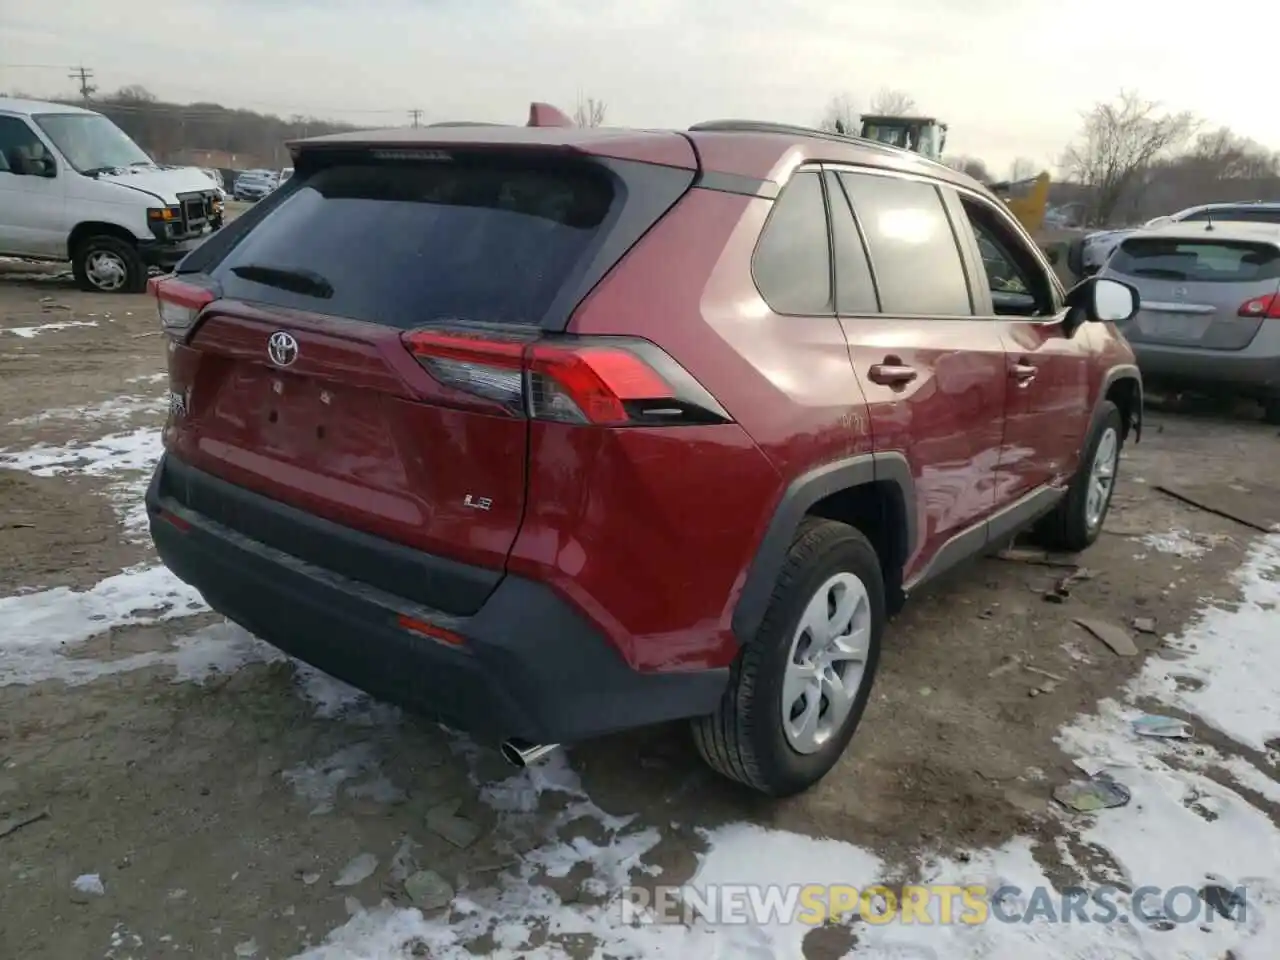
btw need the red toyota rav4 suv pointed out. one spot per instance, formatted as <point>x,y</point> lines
<point>552,432</point>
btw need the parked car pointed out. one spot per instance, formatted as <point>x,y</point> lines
<point>253,185</point>
<point>1098,246</point>
<point>216,176</point>
<point>283,175</point>
<point>584,430</point>
<point>73,186</point>
<point>1210,306</point>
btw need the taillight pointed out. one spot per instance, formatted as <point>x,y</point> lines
<point>1266,307</point>
<point>179,303</point>
<point>602,381</point>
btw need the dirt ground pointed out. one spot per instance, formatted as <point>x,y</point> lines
<point>220,813</point>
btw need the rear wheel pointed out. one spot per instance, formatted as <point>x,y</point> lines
<point>107,264</point>
<point>798,689</point>
<point>1077,520</point>
<point>1271,411</point>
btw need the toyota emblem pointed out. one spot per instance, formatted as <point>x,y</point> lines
<point>282,348</point>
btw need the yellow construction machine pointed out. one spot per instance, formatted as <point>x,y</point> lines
<point>927,136</point>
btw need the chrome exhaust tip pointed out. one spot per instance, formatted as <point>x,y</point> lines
<point>518,753</point>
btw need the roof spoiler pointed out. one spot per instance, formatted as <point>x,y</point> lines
<point>545,115</point>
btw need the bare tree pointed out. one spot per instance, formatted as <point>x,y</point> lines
<point>589,112</point>
<point>134,93</point>
<point>1223,155</point>
<point>1118,144</point>
<point>892,103</point>
<point>1023,169</point>
<point>840,116</point>
<point>972,166</point>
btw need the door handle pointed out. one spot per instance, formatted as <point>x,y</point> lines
<point>892,374</point>
<point>1024,373</point>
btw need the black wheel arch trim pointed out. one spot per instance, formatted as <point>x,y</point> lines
<point>1124,371</point>
<point>796,501</point>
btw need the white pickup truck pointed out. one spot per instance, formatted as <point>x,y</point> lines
<point>73,186</point>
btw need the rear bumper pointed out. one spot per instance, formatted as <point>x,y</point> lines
<point>529,666</point>
<point>1255,370</point>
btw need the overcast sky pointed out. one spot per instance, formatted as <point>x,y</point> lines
<point>1010,76</point>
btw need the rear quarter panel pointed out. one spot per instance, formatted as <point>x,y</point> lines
<point>787,382</point>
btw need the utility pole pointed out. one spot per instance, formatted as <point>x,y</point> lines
<point>84,76</point>
<point>415,115</point>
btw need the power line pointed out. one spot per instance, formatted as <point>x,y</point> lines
<point>84,76</point>
<point>415,115</point>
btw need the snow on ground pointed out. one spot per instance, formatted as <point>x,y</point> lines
<point>28,333</point>
<point>1182,830</point>
<point>1183,827</point>
<point>126,458</point>
<point>117,409</point>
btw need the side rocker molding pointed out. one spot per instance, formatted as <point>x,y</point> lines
<point>797,499</point>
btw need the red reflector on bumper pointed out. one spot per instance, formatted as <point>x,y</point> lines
<point>430,630</point>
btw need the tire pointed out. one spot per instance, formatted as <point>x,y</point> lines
<point>1074,523</point>
<point>107,264</point>
<point>747,739</point>
<point>1271,411</point>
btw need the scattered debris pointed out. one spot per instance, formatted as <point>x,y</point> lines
<point>428,890</point>
<point>359,869</point>
<point>1204,500</point>
<point>1038,557</point>
<point>1092,766</point>
<point>1154,725</point>
<point>1009,664</point>
<point>1044,673</point>
<point>1063,586</point>
<point>1087,796</point>
<point>443,820</point>
<point>1144,625</point>
<point>17,526</point>
<point>1114,637</point>
<point>16,823</point>
<point>149,333</point>
<point>87,886</point>
<point>247,948</point>
<point>308,878</point>
<point>1228,904</point>
<point>1054,597</point>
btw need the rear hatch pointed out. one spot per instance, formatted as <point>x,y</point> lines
<point>301,378</point>
<point>1198,291</point>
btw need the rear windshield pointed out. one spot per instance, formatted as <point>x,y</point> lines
<point>1198,261</point>
<point>408,244</point>
<point>1248,214</point>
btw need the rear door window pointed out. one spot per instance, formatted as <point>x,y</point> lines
<point>1196,261</point>
<point>408,244</point>
<point>792,262</point>
<point>913,249</point>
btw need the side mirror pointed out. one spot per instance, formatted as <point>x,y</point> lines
<point>1104,300</point>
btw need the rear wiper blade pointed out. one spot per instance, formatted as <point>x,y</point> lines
<point>294,279</point>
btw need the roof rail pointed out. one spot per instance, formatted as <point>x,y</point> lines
<point>790,129</point>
